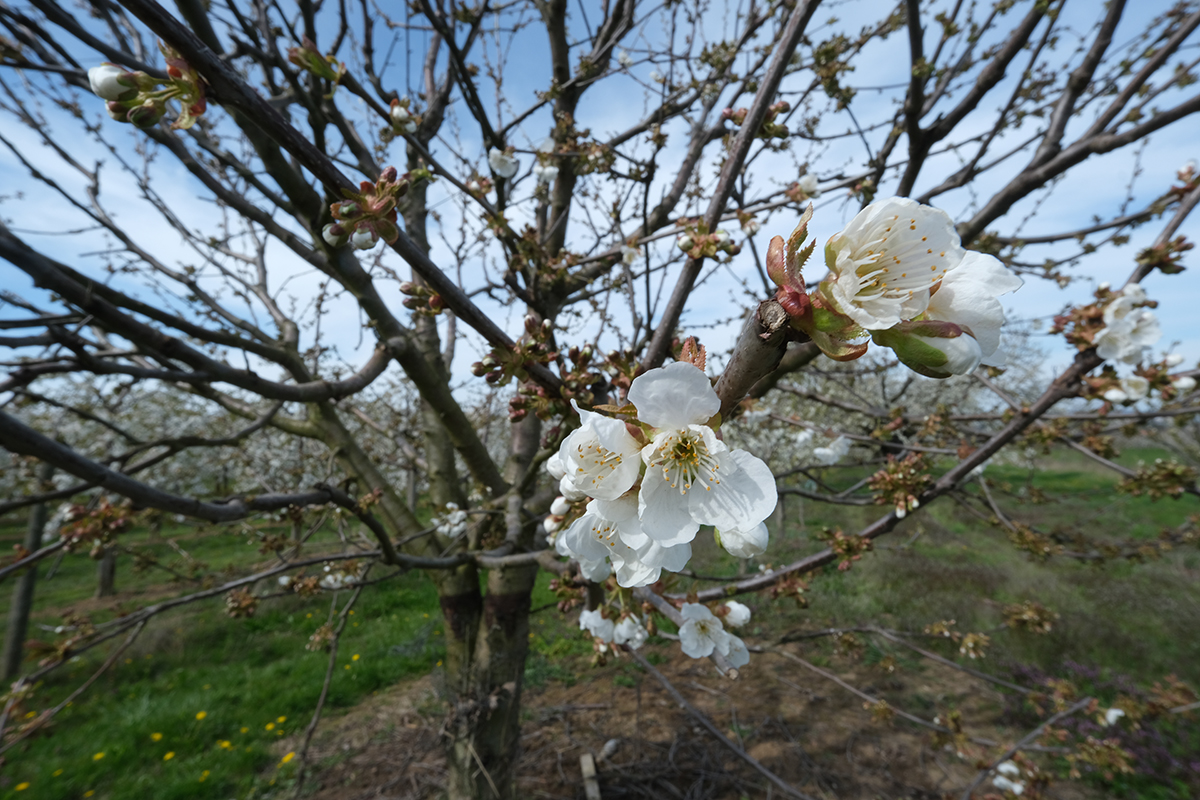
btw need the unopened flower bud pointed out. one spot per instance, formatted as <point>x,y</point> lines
<point>389,174</point>
<point>436,303</point>
<point>363,239</point>
<point>685,242</point>
<point>147,115</point>
<point>108,81</point>
<point>334,234</point>
<point>1173,360</point>
<point>560,506</point>
<point>722,237</point>
<point>408,287</point>
<point>1184,384</point>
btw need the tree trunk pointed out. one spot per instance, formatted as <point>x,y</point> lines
<point>486,672</point>
<point>18,615</point>
<point>106,585</point>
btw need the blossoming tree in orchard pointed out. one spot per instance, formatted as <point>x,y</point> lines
<point>253,215</point>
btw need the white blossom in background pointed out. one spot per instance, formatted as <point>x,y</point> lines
<point>886,261</point>
<point>1001,782</point>
<point>629,254</point>
<point>1128,330</point>
<point>751,226</point>
<point>545,173</point>
<point>808,185</point>
<point>284,581</point>
<point>804,439</point>
<point>1112,715</point>
<point>834,452</point>
<point>503,165</point>
<point>1184,384</point>
<point>630,632</point>
<point>656,76</point>
<point>1132,388</point>
<point>403,119</point>
<point>744,544</point>
<point>1173,360</point>
<point>594,623</point>
<point>546,145</point>
<point>451,524</point>
<point>624,59</point>
<point>701,632</point>
<point>692,478</point>
<point>738,615</point>
<point>599,459</point>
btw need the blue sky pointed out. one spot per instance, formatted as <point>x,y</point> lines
<point>1102,187</point>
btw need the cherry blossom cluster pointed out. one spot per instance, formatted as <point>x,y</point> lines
<point>647,484</point>
<point>701,634</point>
<point>141,99</point>
<point>368,215</point>
<point>898,276</point>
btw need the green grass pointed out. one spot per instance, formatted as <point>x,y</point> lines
<point>1137,619</point>
<point>221,692</point>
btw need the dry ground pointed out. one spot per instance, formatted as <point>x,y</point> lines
<point>806,729</point>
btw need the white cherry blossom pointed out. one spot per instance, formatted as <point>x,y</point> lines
<point>1112,715</point>
<point>967,296</point>
<point>808,185</point>
<point>1128,330</point>
<point>1001,782</point>
<point>545,173</point>
<point>624,59</point>
<point>744,544</point>
<point>886,261</point>
<point>630,632</point>
<point>1184,384</point>
<point>738,615</point>
<point>650,557</point>
<point>599,459</point>
<point>738,655</point>
<point>503,165</point>
<point>594,623</point>
<point>692,478</point>
<point>1132,388</point>
<point>629,254</point>
<point>834,452</point>
<point>701,632</point>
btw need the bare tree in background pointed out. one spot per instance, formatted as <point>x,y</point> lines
<point>214,270</point>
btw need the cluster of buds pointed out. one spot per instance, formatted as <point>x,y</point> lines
<point>422,299</point>
<point>697,242</point>
<point>560,509</point>
<point>98,526</point>
<point>748,223</point>
<point>479,185</point>
<point>838,336</point>
<point>240,604</point>
<point>308,58</point>
<point>848,548</point>
<point>141,99</point>
<point>502,365</point>
<point>770,129</point>
<point>594,157</point>
<point>974,645</point>
<point>1029,616</point>
<point>1166,257</point>
<point>368,215</point>
<point>570,592</point>
<point>403,119</point>
<point>1035,544</point>
<point>901,482</point>
<point>1160,479</point>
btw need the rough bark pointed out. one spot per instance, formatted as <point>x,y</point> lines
<point>22,602</point>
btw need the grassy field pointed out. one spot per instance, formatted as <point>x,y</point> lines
<point>200,704</point>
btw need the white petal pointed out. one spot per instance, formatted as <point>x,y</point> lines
<point>967,297</point>
<point>745,543</point>
<point>674,396</point>
<point>738,615</point>
<point>738,655</point>
<point>693,643</point>
<point>664,511</point>
<point>741,500</point>
<point>695,611</point>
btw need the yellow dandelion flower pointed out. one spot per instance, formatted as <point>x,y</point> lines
<point>352,611</point>
<point>281,720</point>
<point>201,714</point>
<point>169,756</point>
<point>89,793</point>
<point>31,715</point>
<point>426,616</point>
<point>129,661</point>
<point>98,756</point>
<point>347,666</point>
<point>20,787</point>
<point>57,772</point>
<point>156,737</point>
<point>207,686</point>
<point>270,726</point>
<point>244,729</point>
<point>309,616</point>
<point>287,758</point>
<point>354,657</point>
<point>203,776</point>
<point>439,662</point>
